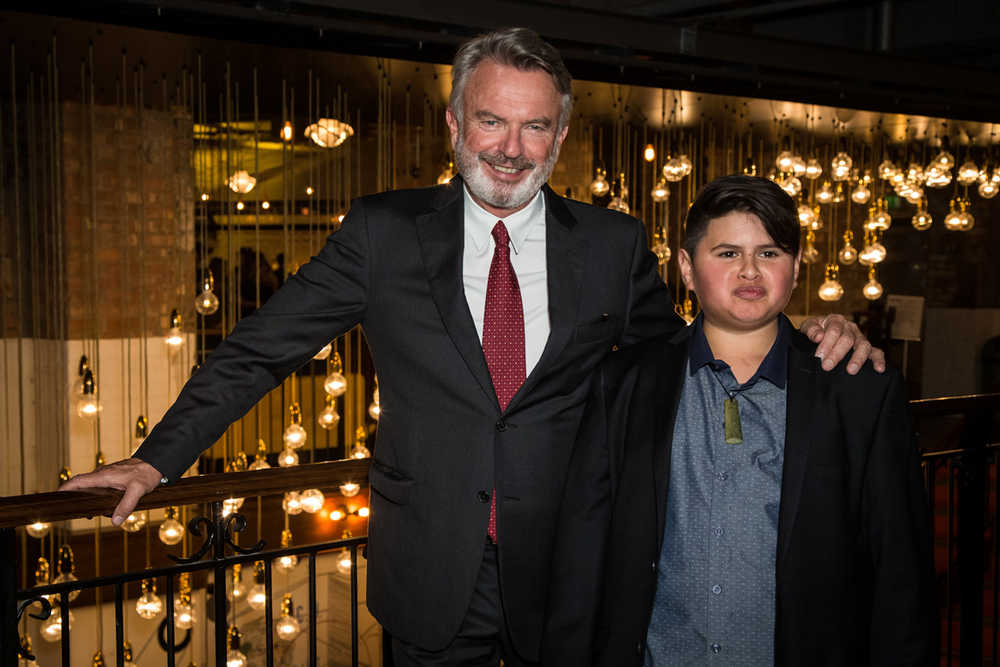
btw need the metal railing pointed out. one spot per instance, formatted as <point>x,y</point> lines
<point>218,552</point>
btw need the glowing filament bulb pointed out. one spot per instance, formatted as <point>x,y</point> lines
<point>287,626</point>
<point>149,605</point>
<point>38,530</point>
<point>831,289</point>
<point>206,303</point>
<point>873,288</point>
<point>311,500</point>
<point>175,337</point>
<point>171,531</point>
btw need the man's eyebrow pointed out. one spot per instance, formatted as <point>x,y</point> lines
<point>483,114</point>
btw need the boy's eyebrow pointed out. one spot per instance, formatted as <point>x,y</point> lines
<point>734,246</point>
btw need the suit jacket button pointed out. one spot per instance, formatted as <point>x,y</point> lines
<point>654,566</point>
<point>501,425</point>
<point>483,497</point>
<point>638,648</point>
<point>614,348</point>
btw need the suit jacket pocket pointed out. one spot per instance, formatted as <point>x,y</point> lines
<point>389,483</point>
<point>589,332</point>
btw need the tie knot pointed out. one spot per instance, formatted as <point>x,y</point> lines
<point>500,235</point>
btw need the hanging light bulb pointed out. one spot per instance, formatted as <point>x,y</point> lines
<point>335,383</point>
<point>82,369</point>
<point>816,223</point>
<point>953,220</point>
<point>350,489</point>
<point>257,596</point>
<point>791,185</point>
<point>599,186</point>
<point>814,169</point>
<point>848,254</point>
<point>287,131</point>
<point>51,629</point>
<point>287,563</point>
<point>968,173</point>
<point>914,194</point>
<point>840,166</point>
<point>184,613</point>
<point>784,161</point>
<point>619,202</point>
<point>922,219</point>
<point>915,173</point>
<point>838,194</point>
<point>987,188</point>
<point>38,529</point>
<point>673,169</point>
<point>810,255</point>
<point>127,657</point>
<point>887,169</point>
<point>879,219</point>
<point>291,503</point>
<point>873,252</point>
<point>288,458</point>
<point>825,193</point>
<point>831,289</point>
<point>149,605</point>
<point>237,464</point>
<point>798,166</point>
<point>944,159</point>
<point>660,248</point>
<point>861,194</point>
<point>42,577</point>
<point>287,627</point>
<point>295,436</point>
<point>806,215</point>
<point>140,433</point>
<point>649,154</point>
<point>344,561</point>
<point>87,405</point>
<point>685,164</point>
<point>360,451</point>
<point>260,459</point>
<point>234,656</point>
<point>98,659</point>
<point>207,303</point>
<point>329,132</point>
<point>660,192</point>
<point>328,418</point>
<point>241,182</point>
<point>873,288</point>
<point>171,531</point>
<point>936,176</point>
<point>135,522</point>
<point>237,590</point>
<point>311,500</point>
<point>175,337</point>
<point>749,167</point>
<point>67,569</point>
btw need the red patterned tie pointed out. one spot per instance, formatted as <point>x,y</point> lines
<point>503,334</point>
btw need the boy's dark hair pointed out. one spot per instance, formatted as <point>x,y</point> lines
<point>750,194</point>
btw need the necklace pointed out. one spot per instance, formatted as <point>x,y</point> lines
<point>732,426</point>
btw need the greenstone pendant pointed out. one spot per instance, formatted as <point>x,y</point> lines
<point>734,429</point>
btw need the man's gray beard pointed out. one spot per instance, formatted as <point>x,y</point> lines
<point>499,195</point>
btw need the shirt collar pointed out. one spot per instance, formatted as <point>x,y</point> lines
<point>479,222</point>
<point>773,368</point>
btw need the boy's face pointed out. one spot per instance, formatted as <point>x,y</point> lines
<point>742,278</point>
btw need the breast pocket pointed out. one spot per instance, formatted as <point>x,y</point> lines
<point>604,327</point>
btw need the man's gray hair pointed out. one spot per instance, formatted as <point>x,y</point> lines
<point>515,47</point>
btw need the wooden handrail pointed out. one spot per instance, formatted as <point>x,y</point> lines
<point>953,405</point>
<point>62,505</point>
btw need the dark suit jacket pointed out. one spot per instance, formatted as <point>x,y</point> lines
<point>854,574</point>
<point>395,267</point>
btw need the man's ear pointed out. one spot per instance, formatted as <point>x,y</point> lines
<point>453,126</point>
<point>687,268</point>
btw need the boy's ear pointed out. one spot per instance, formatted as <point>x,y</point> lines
<point>798,263</point>
<point>687,268</point>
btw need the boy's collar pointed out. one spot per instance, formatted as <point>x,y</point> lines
<point>774,367</point>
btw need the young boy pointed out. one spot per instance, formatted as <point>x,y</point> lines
<point>763,511</point>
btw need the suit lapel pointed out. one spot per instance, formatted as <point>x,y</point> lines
<point>565,253</point>
<point>441,234</point>
<point>801,421</point>
<point>669,385</point>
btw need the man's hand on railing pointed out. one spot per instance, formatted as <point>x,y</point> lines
<point>836,337</point>
<point>133,476</point>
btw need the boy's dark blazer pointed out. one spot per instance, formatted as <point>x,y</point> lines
<point>854,572</point>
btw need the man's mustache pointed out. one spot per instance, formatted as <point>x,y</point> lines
<point>501,160</point>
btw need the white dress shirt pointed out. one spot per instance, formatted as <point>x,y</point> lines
<point>526,229</point>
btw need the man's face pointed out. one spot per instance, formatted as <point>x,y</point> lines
<point>742,278</point>
<point>509,139</point>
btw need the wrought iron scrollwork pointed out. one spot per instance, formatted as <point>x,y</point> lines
<point>193,527</point>
<point>46,608</point>
<point>237,523</point>
<point>161,637</point>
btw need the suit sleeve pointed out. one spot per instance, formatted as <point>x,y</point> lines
<point>578,557</point>
<point>650,308</point>
<point>324,299</point>
<point>904,627</point>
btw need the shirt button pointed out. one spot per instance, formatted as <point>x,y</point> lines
<point>718,532</point>
<point>716,648</point>
<point>483,497</point>
<point>717,589</point>
<point>723,476</point>
<point>501,425</point>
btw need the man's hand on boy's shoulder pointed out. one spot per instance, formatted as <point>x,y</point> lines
<point>836,337</point>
